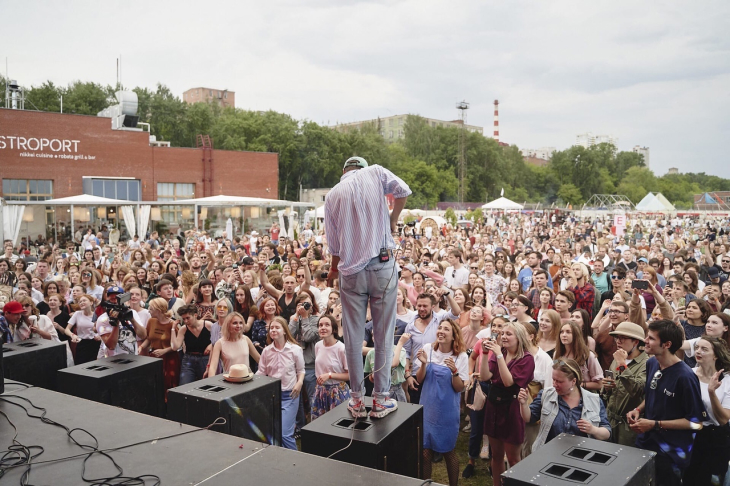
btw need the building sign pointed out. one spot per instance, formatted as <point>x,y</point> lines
<point>45,148</point>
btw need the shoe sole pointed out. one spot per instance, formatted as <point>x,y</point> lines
<point>382,413</point>
<point>362,413</point>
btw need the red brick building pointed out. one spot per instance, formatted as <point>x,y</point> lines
<point>52,155</point>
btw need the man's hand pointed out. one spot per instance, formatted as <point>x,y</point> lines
<point>331,276</point>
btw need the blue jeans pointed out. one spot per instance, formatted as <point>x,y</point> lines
<point>289,407</point>
<point>310,387</point>
<point>476,418</point>
<point>192,368</point>
<point>375,284</point>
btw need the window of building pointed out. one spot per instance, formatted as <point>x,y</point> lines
<point>127,189</point>
<point>323,198</point>
<point>225,95</point>
<point>173,191</point>
<point>27,190</point>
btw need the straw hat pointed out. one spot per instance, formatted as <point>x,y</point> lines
<point>631,330</point>
<point>239,373</point>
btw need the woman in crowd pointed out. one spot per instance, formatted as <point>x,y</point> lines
<point>38,324</point>
<point>557,406</point>
<point>515,286</point>
<point>443,371</point>
<point>572,345</point>
<point>195,334</point>
<point>696,315</point>
<point>86,339</point>
<point>476,417</point>
<point>717,326</point>
<point>234,347</point>
<point>582,317</point>
<point>546,297</point>
<point>651,275</point>
<point>330,366</point>
<point>625,390</point>
<point>90,282</point>
<point>520,309</point>
<point>283,359</point>
<point>509,368</point>
<point>159,341</point>
<point>509,272</point>
<point>549,331</point>
<point>711,448</point>
<point>204,300</point>
<point>260,329</point>
<point>58,315</point>
<point>542,379</point>
<point>243,303</point>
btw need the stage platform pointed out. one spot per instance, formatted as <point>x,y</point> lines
<point>201,457</point>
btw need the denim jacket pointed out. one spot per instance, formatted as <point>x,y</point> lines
<point>591,412</point>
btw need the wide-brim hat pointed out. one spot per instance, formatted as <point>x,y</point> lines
<point>631,330</point>
<point>239,373</point>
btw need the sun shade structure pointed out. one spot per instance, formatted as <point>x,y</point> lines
<point>504,204</point>
<point>655,202</point>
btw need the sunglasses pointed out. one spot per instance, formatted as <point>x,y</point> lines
<point>616,277</point>
<point>222,307</point>
<point>474,268</point>
<point>655,380</point>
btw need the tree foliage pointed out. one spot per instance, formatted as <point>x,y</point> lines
<point>427,158</point>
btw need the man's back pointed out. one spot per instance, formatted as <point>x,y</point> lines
<point>356,216</point>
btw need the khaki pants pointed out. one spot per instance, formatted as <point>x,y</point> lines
<point>531,431</point>
<point>622,434</point>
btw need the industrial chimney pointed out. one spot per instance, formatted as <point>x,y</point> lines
<point>496,120</point>
<point>14,96</point>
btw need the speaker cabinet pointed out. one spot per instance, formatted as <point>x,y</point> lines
<point>126,381</point>
<point>570,460</point>
<point>34,361</point>
<point>252,410</point>
<point>393,443</point>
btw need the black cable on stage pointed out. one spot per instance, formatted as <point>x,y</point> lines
<point>19,455</point>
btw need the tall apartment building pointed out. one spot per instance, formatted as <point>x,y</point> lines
<point>224,97</point>
<point>643,151</point>
<point>543,153</point>
<point>391,127</point>
<point>589,139</point>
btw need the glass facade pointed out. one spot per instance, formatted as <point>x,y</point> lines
<point>27,190</point>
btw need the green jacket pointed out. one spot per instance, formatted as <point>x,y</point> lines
<point>629,391</point>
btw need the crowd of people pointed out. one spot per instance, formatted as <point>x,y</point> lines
<point>513,330</point>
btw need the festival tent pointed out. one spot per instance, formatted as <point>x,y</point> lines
<point>655,202</point>
<point>503,204</point>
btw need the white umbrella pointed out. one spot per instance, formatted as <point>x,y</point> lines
<point>229,229</point>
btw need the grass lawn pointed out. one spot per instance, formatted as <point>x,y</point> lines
<point>481,477</point>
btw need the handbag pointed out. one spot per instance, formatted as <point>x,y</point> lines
<point>500,395</point>
<point>475,397</point>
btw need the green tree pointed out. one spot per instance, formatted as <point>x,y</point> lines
<point>450,215</point>
<point>570,194</point>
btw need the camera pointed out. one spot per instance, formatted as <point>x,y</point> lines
<point>123,313</point>
<point>324,275</point>
<point>235,266</point>
<point>307,306</point>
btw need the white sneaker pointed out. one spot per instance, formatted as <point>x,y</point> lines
<point>357,408</point>
<point>484,454</point>
<point>382,407</point>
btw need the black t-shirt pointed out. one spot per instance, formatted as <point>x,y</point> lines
<point>287,310</point>
<point>62,320</point>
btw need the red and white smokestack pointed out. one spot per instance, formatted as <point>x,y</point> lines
<point>496,120</point>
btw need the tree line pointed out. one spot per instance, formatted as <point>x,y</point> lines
<point>311,155</point>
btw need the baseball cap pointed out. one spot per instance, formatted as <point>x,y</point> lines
<point>713,272</point>
<point>410,267</point>
<point>13,307</point>
<point>247,260</point>
<point>114,290</point>
<point>355,162</point>
<point>642,259</point>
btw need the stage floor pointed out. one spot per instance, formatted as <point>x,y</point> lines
<point>201,457</point>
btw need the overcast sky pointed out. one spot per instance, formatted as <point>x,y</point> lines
<point>655,74</point>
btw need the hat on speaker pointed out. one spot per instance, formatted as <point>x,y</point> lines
<point>238,373</point>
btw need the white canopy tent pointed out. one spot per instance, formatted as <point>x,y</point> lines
<point>503,204</point>
<point>655,202</point>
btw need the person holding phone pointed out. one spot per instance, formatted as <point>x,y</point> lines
<point>623,382</point>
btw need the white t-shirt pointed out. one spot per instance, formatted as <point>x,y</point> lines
<point>723,393</point>
<point>329,359</point>
<point>126,344</point>
<point>84,325</point>
<point>437,357</point>
<point>456,278</point>
<point>142,317</point>
<point>690,353</point>
<point>543,368</point>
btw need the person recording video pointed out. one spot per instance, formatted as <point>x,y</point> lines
<point>118,327</point>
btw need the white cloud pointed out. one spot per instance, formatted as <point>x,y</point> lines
<point>653,74</point>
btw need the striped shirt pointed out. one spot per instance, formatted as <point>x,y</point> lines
<point>356,216</point>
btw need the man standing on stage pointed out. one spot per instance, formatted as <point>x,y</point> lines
<point>358,229</point>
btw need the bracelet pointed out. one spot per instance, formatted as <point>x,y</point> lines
<point>500,356</point>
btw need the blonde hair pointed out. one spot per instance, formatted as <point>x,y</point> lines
<point>226,327</point>
<point>523,339</point>
<point>160,305</point>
